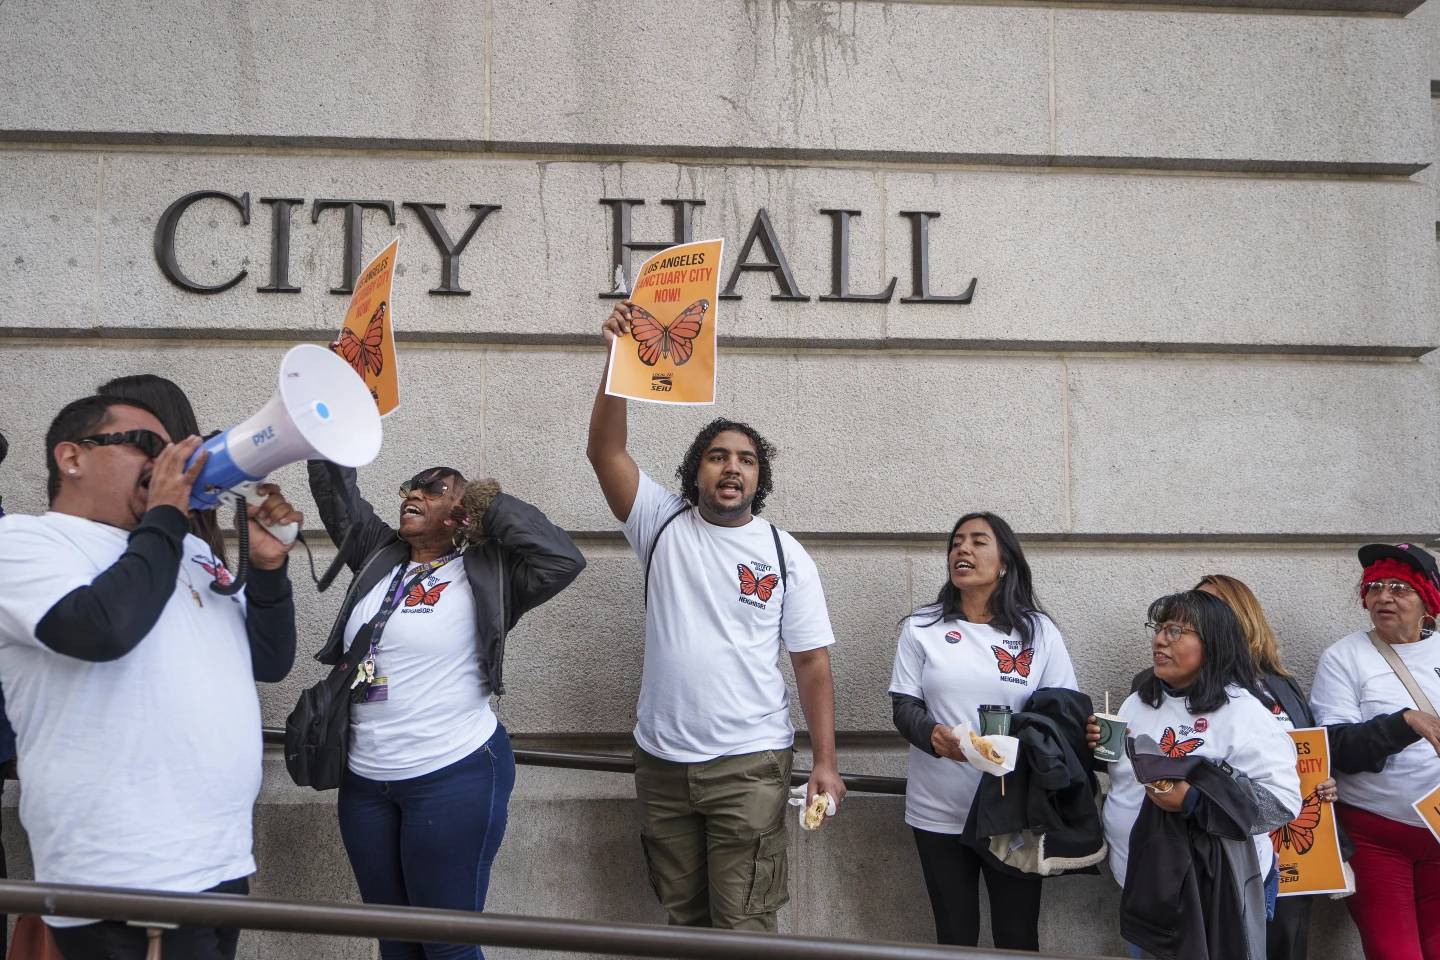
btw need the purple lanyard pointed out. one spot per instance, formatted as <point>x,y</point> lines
<point>399,588</point>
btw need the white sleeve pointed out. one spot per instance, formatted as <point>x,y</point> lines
<point>804,618</point>
<point>1334,697</point>
<point>36,571</point>
<point>653,506</point>
<point>1264,752</point>
<point>909,667</point>
<point>1058,671</point>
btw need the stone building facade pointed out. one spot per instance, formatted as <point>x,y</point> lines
<point>1202,242</point>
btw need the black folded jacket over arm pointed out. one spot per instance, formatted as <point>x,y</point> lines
<point>107,619</point>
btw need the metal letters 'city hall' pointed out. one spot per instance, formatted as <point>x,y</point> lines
<point>622,245</point>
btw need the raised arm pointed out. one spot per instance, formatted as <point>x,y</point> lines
<point>341,507</point>
<point>614,467</point>
<point>542,558</point>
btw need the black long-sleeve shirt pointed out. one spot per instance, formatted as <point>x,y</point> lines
<point>108,618</point>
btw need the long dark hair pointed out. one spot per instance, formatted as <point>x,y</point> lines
<point>1012,604</point>
<point>689,468</point>
<point>172,408</point>
<point>1227,656</point>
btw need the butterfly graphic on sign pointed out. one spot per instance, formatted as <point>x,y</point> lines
<point>675,340</point>
<point>364,353</point>
<point>1014,663</point>
<point>1181,748</point>
<point>1299,834</point>
<point>419,596</point>
<point>753,586</point>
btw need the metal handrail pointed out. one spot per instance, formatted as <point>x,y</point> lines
<point>154,908</point>
<point>619,763</point>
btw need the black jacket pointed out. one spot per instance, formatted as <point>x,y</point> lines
<point>1193,889</point>
<point>1046,822</point>
<point>526,561</point>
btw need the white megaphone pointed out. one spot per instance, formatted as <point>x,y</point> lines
<point>320,411</point>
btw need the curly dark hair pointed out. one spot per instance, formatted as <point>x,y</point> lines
<point>689,468</point>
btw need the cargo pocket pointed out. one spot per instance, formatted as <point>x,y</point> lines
<point>647,847</point>
<point>769,883</point>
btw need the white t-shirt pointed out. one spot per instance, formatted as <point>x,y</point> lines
<point>955,667</point>
<point>1243,733</point>
<point>438,706</point>
<point>714,624</point>
<point>1353,683</point>
<point>140,772</point>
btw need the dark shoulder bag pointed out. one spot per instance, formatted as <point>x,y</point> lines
<point>317,732</point>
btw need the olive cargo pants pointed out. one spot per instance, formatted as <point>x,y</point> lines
<point>714,837</point>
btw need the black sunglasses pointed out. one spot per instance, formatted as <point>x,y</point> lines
<point>430,484</point>
<point>147,442</point>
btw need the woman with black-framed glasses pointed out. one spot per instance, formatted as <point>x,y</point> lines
<point>1207,774</point>
<point>1375,692</point>
<point>424,800</point>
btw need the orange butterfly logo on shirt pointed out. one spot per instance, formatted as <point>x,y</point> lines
<point>675,340</point>
<point>752,586</point>
<point>1299,834</point>
<point>1014,663</point>
<point>1184,748</point>
<point>364,353</point>
<point>419,595</point>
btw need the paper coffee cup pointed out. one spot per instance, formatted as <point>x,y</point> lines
<point>1112,737</point>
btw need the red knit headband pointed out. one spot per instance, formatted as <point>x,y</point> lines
<point>1389,568</point>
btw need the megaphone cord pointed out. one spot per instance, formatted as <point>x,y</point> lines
<point>242,572</point>
<point>242,569</point>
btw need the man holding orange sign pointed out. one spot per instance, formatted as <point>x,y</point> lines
<point>726,591</point>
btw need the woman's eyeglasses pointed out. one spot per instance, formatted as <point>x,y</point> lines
<point>1397,588</point>
<point>1172,631</point>
<point>431,486</point>
<point>147,442</point>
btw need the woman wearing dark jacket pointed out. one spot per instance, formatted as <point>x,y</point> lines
<point>1288,932</point>
<point>1383,748</point>
<point>423,803</point>
<point>1198,703</point>
<point>984,641</point>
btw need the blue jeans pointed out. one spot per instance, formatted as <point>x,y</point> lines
<point>429,841</point>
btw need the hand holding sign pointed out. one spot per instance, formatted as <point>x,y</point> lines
<point>367,340</point>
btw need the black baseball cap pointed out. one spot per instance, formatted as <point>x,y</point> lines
<point>1407,553</point>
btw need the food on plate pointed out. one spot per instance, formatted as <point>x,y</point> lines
<point>985,748</point>
<point>815,813</point>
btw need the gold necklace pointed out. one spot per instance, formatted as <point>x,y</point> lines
<point>194,594</point>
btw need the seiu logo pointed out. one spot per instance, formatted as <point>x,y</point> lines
<point>260,438</point>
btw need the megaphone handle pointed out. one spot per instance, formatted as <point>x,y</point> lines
<point>284,532</point>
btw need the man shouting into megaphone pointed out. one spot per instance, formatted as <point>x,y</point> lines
<point>130,682</point>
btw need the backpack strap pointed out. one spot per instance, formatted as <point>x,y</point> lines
<point>780,553</point>
<point>654,542</point>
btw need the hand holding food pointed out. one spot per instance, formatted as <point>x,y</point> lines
<point>814,816</point>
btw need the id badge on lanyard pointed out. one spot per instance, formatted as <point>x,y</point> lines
<point>368,686</point>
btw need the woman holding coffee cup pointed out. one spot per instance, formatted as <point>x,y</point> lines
<point>1198,702</point>
<point>984,644</point>
<point>1375,692</point>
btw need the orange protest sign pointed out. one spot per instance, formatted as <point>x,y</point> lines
<point>1308,847</point>
<point>669,356</point>
<point>1428,807</point>
<point>367,340</point>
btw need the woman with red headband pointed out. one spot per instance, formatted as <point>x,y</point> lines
<point>1374,690</point>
